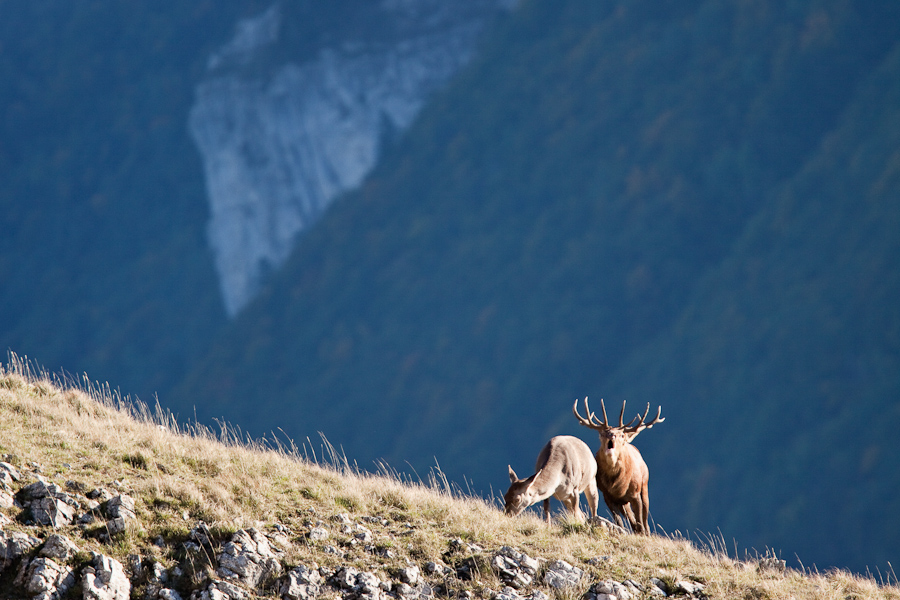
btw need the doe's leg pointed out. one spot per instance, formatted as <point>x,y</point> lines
<point>592,498</point>
<point>571,500</point>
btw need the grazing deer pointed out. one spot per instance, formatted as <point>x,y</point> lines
<point>622,474</point>
<point>564,469</point>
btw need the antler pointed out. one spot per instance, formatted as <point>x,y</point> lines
<point>592,421</point>
<point>632,430</point>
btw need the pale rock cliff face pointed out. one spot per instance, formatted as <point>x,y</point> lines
<point>279,144</point>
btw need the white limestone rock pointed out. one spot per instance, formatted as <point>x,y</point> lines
<point>249,558</point>
<point>278,146</point>
<point>59,548</point>
<point>562,575</point>
<point>46,579</point>
<point>105,579</point>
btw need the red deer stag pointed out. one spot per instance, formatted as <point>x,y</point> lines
<point>622,474</point>
<point>564,469</point>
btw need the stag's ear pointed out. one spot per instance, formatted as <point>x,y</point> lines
<point>512,475</point>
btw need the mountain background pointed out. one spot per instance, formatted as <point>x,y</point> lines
<point>694,204</point>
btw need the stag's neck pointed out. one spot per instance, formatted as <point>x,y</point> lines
<point>612,467</point>
<point>609,466</point>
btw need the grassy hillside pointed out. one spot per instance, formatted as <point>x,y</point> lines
<point>83,438</point>
<point>610,181</point>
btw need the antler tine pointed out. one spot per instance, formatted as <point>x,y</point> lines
<point>633,431</point>
<point>646,412</point>
<point>622,415</point>
<point>656,419</point>
<point>591,421</point>
<point>593,416</point>
<point>603,406</point>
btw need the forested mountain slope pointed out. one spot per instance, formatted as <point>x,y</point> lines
<point>784,368</point>
<point>142,145</point>
<point>687,204</point>
<point>103,260</point>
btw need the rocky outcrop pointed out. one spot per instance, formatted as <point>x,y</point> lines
<point>301,583</point>
<point>8,476</point>
<point>59,548</point>
<point>280,142</point>
<point>561,575</point>
<point>119,511</point>
<point>515,568</point>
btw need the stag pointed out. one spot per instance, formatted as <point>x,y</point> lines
<point>622,474</point>
<point>565,468</point>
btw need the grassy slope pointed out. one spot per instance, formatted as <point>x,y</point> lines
<point>89,436</point>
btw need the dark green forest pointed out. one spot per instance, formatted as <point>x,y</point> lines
<point>694,204</point>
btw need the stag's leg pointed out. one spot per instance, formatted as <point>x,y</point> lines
<point>636,515</point>
<point>645,512</point>
<point>629,516</point>
<point>614,510</point>
<point>547,509</point>
<point>575,500</point>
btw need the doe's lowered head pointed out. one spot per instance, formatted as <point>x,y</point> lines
<point>520,495</point>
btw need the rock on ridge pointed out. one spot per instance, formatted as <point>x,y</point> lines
<point>248,558</point>
<point>105,579</point>
<point>46,579</point>
<point>59,547</point>
<point>14,545</point>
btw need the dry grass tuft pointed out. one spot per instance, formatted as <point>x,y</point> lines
<point>86,434</point>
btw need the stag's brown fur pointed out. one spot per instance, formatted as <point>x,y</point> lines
<point>564,469</point>
<point>622,475</point>
<point>623,478</point>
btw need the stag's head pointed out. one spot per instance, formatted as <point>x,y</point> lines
<point>613,439</point>
<point>520,494</point>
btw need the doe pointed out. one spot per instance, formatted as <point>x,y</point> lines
<point>565,468</point>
